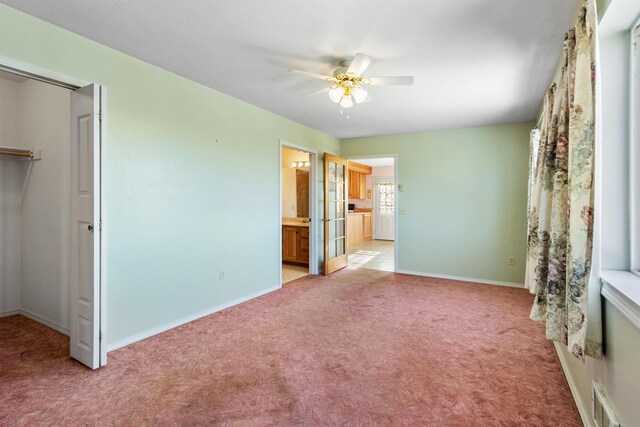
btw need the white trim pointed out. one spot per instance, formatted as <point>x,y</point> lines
<point>103,227</point>
<point>9,313</point>
<point>622,290</point>
<point>163,328</point>
<point>463,279</point>
<point>46,322</point>
<point>51,324</point>
<point>42,74</point>
<point>314,262</point>
<point>584,410</point>
<point>396,243</point>
<point>634,151</point>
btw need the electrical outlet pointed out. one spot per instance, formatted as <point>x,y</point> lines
<point>512,260</point>
<point>403,211</point>
<point>221,274</point>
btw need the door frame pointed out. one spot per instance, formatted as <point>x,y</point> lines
<point>396,244</point>
<point>72,83</point>
<point>313,205</point>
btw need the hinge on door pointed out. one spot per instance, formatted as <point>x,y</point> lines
<point>100,336</point>
<point>100,225</point>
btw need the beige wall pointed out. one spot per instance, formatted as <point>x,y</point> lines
<point>46,203</point>
<point>289,184</point>
<point>34,202</point>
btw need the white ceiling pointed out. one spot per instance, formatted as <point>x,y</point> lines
<point>386,161</point>
<point>475,62</point>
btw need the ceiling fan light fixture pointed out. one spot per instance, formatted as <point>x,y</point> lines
<point>359,94</point>
<point>346,102</point>
<point>336,94</point>
<point>347,86</point>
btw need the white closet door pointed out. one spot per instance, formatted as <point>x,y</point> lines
<point>85,225</point>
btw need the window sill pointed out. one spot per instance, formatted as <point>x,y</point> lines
<point>622,289</point>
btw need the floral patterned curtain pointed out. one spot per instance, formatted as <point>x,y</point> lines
<point>561,225</point>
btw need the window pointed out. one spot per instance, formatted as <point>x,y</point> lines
<point>386,197</point>
<point>634,151</point>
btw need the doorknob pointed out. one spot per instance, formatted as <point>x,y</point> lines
<point>90,227</point>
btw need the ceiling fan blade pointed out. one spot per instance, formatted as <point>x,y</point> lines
<point>388,81</point>
<point>359,64</point>
<point>314,75</point>
<point>316,92</point>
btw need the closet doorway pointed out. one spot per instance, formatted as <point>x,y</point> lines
<point>51,251</point>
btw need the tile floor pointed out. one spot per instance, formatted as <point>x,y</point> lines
<point>372,254</point>
<point>292,272</point>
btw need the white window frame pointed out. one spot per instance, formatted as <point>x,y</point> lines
<point>634,147</point>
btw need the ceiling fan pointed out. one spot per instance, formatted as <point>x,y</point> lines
<point>348,85</point>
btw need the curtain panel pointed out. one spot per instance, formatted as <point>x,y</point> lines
<point>561,206</point>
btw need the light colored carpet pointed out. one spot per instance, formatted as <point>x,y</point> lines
<point>359,347</point>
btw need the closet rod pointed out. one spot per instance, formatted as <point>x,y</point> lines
<point>17,152</point>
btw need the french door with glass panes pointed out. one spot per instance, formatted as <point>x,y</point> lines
<point>335,213</point>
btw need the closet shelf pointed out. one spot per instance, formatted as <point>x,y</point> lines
<point>24,154</point>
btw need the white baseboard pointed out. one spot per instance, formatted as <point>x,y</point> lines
<point>163,328</point>
<point>584,410</point>
<point>9,313</point>
<point>49,323</point>
<point>463,279</point>
<point>45,321</point>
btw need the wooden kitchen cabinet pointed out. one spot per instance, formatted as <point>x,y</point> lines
<point>357,185</point>
<point>354,228</point>
<point>295,244</point>
<point>358,180</point>
<point>367,225</point>
<point>360,227</point>
<point>354,183</point>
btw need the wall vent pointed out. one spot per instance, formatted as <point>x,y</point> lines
<point>601,409</point>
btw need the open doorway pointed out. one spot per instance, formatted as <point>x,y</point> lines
<point>297,204</point>
<point>372,213</point>
<point>50,209</point>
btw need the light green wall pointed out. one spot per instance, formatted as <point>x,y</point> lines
<point>618,372</point>
<point>191,180</point>
<point>192,186</point>
<point>465,195</point>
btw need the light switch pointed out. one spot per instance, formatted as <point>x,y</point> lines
<point>400,187</point>
<point>403,211</point>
